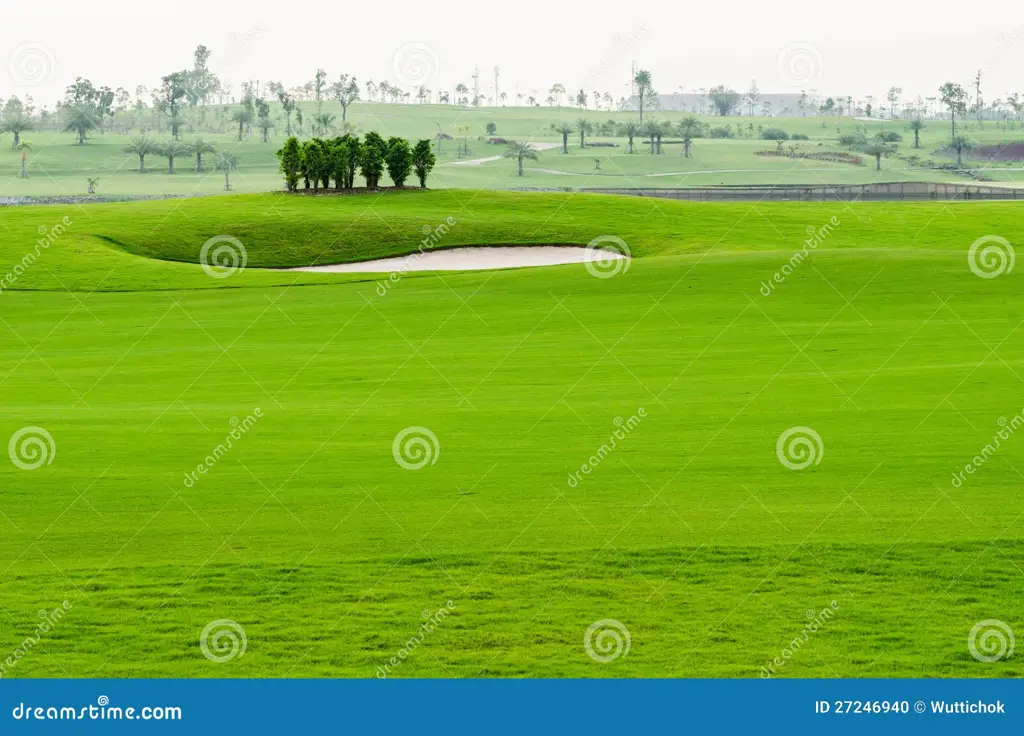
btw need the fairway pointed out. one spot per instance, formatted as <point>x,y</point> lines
<point>696,541</point>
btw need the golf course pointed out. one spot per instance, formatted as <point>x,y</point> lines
<point>740,452</point>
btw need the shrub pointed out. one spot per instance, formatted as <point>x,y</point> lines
<point>774,134</point>
<point>722,131</point>
<point>492,128</point>
<point>890,137</point>
<point>853,139</point>
<point>800,137</point>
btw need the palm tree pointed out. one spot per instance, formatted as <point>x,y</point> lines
<point>80,119</point>
<point>92,184</point>
<point>566,130</point>
<point>584,126</point>
<point>917,126</point>
<point>652,130</point>
<point>631,128</point>
<point>961,143</point>
<point>17,124</point>
<point>226,163</point>
<point>142,146</point>
<point>173,149</point>
<point>199,147</point>
<point>323,123</point>
<point>24,147</point>
<point>243,117</point>
<point>878,148</point>
<point>520,152</point>
<point>689,128</point>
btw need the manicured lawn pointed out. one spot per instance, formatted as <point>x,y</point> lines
<point>691,532</point>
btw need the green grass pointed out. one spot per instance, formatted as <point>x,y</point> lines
<point>691,533</point>
<point>59,167</point>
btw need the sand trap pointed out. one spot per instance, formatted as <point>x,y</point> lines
<point>476,259</point>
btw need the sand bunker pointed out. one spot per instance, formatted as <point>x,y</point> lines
<point>476,259</point>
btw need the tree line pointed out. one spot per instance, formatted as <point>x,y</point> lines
<point>317,161</point>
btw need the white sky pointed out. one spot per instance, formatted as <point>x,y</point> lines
<point>843,49</point>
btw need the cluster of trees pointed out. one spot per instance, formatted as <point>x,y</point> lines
<point>318,162</point>
<point>143,146</point>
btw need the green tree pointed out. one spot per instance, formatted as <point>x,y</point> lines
<point>173,149</point>
<point>960,144</point>
<point>724,99</point>
<point>644,89</point>
<point>323,123</point>
<point>916,125</point>
<point>243,117</point>
<point>263,119</point>
<point>878,148</point>
<point>290,157</point>
<point>398,160</point>
<point>651,131</point>
<point>227,163</point>
<point>566,130</point>
<point>345,91</point>
<point>631,128</point>
<point>351,154</point>
<point>199,148</point>
<point>584,127</point>
<point>80,119</point>
<point>423,161</point>
<point>142,146</point>
<point>520,152</point>
<point>288,105</point>
<point>954,97</point>
<point>173,89</point>
<point>16,124</point>
<point>689,128</point>
<point>371,159</point>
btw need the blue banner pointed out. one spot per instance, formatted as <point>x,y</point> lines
<point>618,707</point>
